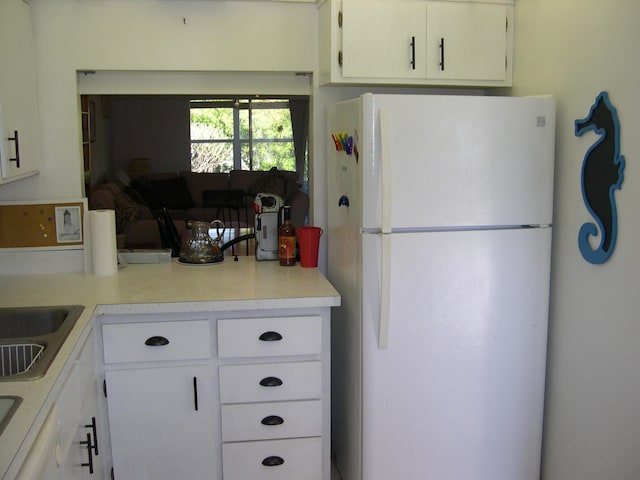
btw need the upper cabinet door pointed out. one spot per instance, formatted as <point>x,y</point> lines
<point>467,41</point>
<point>18,103</point>
<point>382,39</point>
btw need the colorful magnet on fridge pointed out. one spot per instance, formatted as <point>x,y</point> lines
<point>344,201</point>
<point>349,146</point>
<point>337,142</point>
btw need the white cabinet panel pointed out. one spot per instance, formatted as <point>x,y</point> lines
<point>299,459</point>
<point>263,421</point>
<point>383,39</point>
<point>466,41</point>
<point>18,95</point>
<point>156,341</point>
<point>270,382</point>
<point>258,337</point>
<point>163,423</point>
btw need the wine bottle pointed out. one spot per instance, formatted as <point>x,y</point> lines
<point>287,240</point>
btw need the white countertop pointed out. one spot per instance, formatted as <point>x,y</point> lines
<point>242,285</point>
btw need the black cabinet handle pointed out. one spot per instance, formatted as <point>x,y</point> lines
<point>156,341</point>
<point>89,454</point>
<point>442,54</point>
<point>15,139</point>
<point>94,429</point>
<point>195,392</point>
<point>270,382</point>
<point>270,337</point>
<point>413,53</point>
<point>272,420</point>
<point>273,461</point>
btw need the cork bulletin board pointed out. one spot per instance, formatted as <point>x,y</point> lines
<point>55,224</point>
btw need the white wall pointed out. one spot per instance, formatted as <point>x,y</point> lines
<point>147,35</point>
<point>575,49</point>
<point>153,127</point>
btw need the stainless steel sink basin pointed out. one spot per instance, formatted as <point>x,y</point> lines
<point>30,338</point>
<point>8,406</point>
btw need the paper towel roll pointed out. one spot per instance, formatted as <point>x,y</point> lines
<point>104,250</point>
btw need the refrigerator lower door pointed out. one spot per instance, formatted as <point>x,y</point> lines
<point>457,392</point>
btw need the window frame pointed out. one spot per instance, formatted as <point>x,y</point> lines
<point>239,103</point>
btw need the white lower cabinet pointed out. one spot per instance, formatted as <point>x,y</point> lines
<point>67,446</point>
<point>78,450</point>
<point>162,423</point>
<point>260,421</point>
<point>218,395</point>
<point>297,459</point>
<point>272,408</point>
<point>84,459</point>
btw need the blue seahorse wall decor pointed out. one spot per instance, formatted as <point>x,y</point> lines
<point>602,174</point>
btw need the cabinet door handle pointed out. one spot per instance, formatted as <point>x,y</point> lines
<point>156,341</point>
<point>195,392</point>
<point>94,429</point>
<point>89,454</point>
<point>270,337</point>
<point>413,53</point>
<point>273,461</point>
<point>272,420</point>
<point>15,139</point>
<point>442,54</point>
<point>271,382</point>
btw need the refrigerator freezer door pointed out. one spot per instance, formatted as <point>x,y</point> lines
<point>458,391</point>
<point>344,244</point>
<point>457,161</point>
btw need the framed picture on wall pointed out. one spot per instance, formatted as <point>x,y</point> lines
<point>68,224</point>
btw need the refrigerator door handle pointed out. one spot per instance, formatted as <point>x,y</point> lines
<point>385,170</point>
<point>385,293</point>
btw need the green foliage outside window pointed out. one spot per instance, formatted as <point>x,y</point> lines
<point>248,134</point>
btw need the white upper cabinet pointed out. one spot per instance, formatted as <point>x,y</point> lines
<point>19,150</point>
<point>383,39</point>
<point>403,42</point>
<point>467,41</point>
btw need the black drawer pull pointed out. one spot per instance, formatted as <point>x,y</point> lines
<point>270,382</point>
<point>270,337</point>
<point>272,420</point>
<point>94,429</point>
<point>156,341</point>
<point>273,461</point>
<point>89,454</point>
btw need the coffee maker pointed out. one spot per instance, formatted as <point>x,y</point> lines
<point>267,208</point>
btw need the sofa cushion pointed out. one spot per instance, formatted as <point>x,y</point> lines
<point>173,193</point>
<point>278,182</point>
<point>243,179</point>
<point>223,198</point>
<point>143,186</point>
<point>199,182</point>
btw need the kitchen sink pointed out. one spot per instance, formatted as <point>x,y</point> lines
<point>8,406</point>
<point>30,338</point>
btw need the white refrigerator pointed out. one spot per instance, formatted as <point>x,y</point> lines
<point>439,239</point>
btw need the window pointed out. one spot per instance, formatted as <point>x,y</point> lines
<point>246,133</point>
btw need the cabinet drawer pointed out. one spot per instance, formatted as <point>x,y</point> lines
<point>258,337</point>
<point>270,382</point>
<point>156,341</point>
<point>264,421</point>
<point>298,458</point>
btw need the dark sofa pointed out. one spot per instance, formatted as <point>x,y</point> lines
<point>139,200</point>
